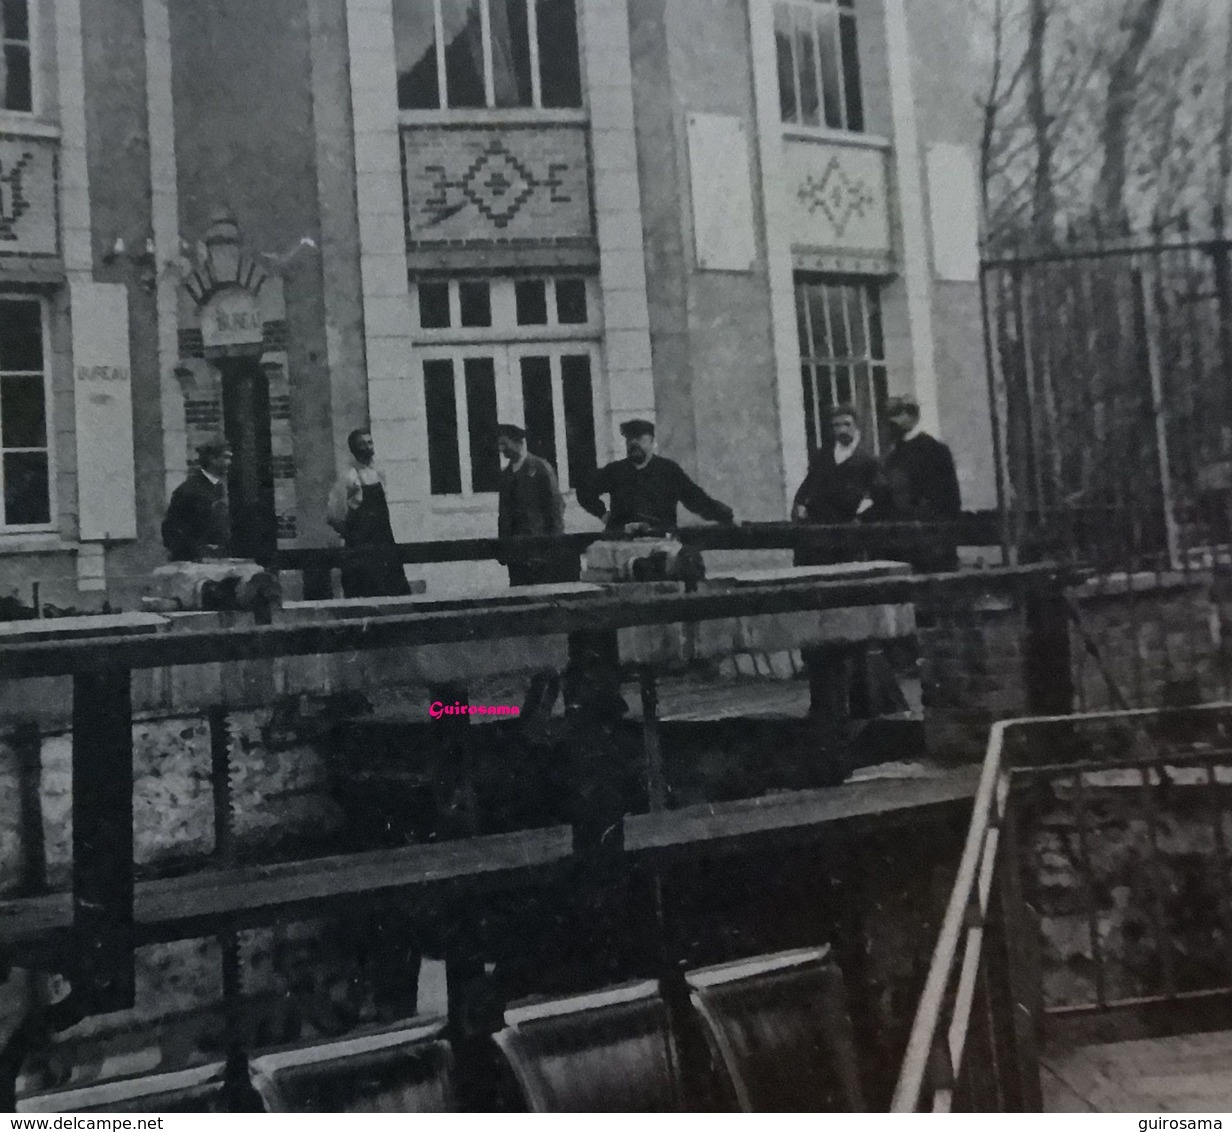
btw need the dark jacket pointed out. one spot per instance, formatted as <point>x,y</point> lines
<point>198,521</point>
<point>832,493</point>
<point>649,495</point>
<point>918,482</point>
<point>530,500</point>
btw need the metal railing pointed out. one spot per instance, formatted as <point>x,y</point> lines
<point>1112,783</point>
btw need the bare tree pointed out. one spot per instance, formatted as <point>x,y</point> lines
<point>1138,25</point>
<point>1043,199</point>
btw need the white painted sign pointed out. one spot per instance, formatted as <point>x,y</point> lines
<point>954,207</point>
<point>232,317</point>
<point>722,190</point>
<point>103,400</point>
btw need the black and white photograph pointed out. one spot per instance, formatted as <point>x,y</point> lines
<point>607,556</point>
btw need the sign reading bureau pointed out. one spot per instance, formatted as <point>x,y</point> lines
<point>103,403</point>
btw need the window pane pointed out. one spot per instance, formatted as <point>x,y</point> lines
<point>579,417</point>
<point>510,53</point>
<point>851,73</point>
<point>560,75</point>
<point>21,336</point>
<point>802,325</point>
<point>806,55</point>
<point>842,385</point>
<point>876,343</point>
<point>415,54</point>
<point>463,53</point>
<point>26,495</point>
<point>825,394</point>
<point>817,315</point>
<point>537,405</point>
<point>16,16</point>
<point>17,92</point>
<point>827,43</point>
<point>571,302</point>
<point>22,413</point>
<point>783,39</point>
<point>475,303</point>
<point>433,305</point>
<point>481,414</point>
<point>531,299</point>
<point>839,346</point>
<point>444,466</point>
<point>810,408</point>
<point>855,319</point>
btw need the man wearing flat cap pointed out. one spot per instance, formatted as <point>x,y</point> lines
<point>531,506</point>
<point>645,489</point>
<point>918,482</point>
<point>198,520</point>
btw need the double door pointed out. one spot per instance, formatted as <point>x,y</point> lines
<point>546,387</point>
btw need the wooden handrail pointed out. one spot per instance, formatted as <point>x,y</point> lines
<point>974,528</point>
<point>103,654</point>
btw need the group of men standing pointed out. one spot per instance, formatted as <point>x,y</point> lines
<point>915,482</point>
<point>846,482</point>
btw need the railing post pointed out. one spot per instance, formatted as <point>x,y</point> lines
<point>593,710</point>
<point>103,839</point>
<point>1014,971</point>
<point>1047,668</point>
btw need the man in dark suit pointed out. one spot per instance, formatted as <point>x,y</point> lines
<point>645,489</point>
<point>531,506</point>
<point>918,483</point>
<point>198,520</point>
<point>839,485</point>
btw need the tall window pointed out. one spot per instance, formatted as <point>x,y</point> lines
<point>842,352</point>
<point>15,85</point>
<point>454,54</point>
<point>819,64</point>
<point>518,350</point>
<point>24,464</point>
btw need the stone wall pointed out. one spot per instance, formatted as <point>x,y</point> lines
<point>1159,638</point>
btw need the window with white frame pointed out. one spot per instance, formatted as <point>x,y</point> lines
<point>16,86</point>
<point>491,351</point>
<point>456,54</point>
<point>842,352</point>
<point>818,64</point>
<point>25,465</point>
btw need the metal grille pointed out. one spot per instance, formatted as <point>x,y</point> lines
<point>842,352</point>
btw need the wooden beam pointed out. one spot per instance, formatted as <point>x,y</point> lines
<point>550,617</point>
<point>186,907</point>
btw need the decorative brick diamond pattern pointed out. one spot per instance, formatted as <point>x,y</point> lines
<point>840,197</point>
<point>485,184</point>
<point>28,196</point>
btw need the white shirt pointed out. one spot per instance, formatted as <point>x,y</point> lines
<point>843,453</point>
<point>215,480</point>
<point>913,432</point>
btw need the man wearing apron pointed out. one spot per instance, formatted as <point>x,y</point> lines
<point>358,511</point>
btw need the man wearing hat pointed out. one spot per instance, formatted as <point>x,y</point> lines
<point>918,482</point>
<point>645,489</point>
<point>198,520</point>
<point>530,506</point>
<point>839,485</point>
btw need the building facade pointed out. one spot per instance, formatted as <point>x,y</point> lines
<point>286,220</point>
